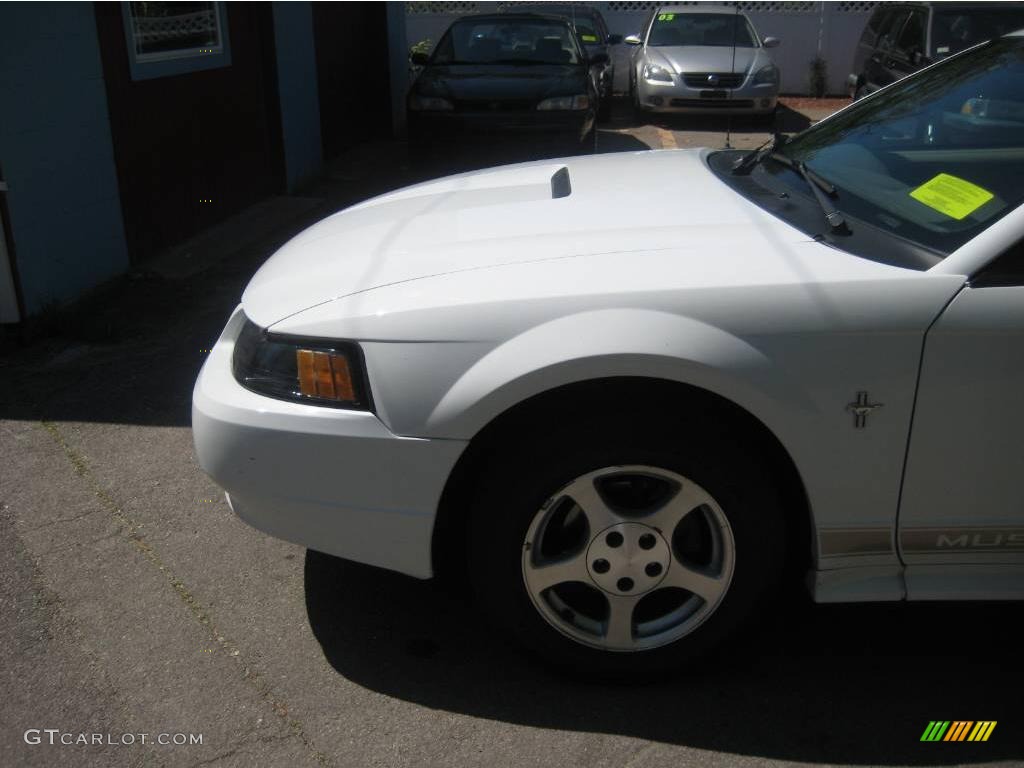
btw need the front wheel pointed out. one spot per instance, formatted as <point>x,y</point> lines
<point>639,114</point>
<point>624,553</point>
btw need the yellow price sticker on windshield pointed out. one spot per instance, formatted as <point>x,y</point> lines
<point>666,16</point>
<point>951,195</point>
<point>589,38</point>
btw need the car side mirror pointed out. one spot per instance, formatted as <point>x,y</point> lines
<point>419,58</point>
<point>633,40</point>
<point>613,40</point>
<point>771,42</point>
<point>599,58</point>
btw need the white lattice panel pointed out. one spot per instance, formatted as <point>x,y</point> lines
<point>455,8</point>
<point>752,6</point>
<point>855,7</point>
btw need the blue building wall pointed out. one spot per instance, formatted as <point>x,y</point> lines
<point>56,152</point>
<point>297,88</point>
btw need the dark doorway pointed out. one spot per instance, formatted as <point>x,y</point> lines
<point>352,73</point>
<point>192,149</point>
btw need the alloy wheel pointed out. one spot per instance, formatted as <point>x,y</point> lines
<point>628,558</point>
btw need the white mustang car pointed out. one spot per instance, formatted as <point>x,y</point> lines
<point>625,394</point>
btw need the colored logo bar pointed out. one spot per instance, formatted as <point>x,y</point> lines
<point>958,730</point>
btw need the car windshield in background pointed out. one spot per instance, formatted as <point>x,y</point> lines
<point>711,29</point>
<point>511,42</point>
<point>934,159</point>
<point>955,30</point>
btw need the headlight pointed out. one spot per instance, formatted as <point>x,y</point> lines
<point>657,74</point>
<point>579,101</point>
<point>429,103</point>
<point>302,370</point>
<point>768,74</point>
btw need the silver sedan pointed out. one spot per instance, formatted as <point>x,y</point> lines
<point>702,60</point>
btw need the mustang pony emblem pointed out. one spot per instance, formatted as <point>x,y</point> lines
<point>860,410</point>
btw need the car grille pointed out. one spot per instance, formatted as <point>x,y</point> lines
<point>725,79</point>
<point>494,105</point>
<point>715,103</point>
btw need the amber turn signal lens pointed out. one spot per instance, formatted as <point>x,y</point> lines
<point>325,375</point>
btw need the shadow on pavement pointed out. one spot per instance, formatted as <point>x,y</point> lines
<point>786,121</point>
<point>851,684</point>
<point>614,141</point>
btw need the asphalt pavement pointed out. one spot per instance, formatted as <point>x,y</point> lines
<point>136,608</point>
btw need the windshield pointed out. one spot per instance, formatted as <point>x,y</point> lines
<point>955,30</point>
<point>508,42</point>
<point>933,159</point>
<point>713,29</point>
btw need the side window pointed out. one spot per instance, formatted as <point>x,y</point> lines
<point>891,29</point>
<point>1008,269</point>
<point>911,37</point>
<point>875,24</point>
<point>167,39</point>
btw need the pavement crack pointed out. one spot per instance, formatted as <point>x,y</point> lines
<point>216,758</point>
<point>637,756</point>
<point>60,520</point>
<point>132,532</point>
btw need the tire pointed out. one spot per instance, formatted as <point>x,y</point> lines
<point>734,537</point>
<point>767,120</point>
<point>639,114</point>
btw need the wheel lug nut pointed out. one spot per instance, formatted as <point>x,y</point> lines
<point>647,541</point>
<point>601,565</point>
<point>624,584</point>
<point>653,569</point>
<point>613,539</point>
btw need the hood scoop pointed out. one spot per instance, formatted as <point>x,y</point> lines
<point>560,185</point>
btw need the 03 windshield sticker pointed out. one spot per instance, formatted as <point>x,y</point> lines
<point>951,195</point>
<point>666,16</point>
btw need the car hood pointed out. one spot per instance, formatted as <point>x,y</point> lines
<point>706,58</point>
<point>497,82</point>
<point>619,204</point>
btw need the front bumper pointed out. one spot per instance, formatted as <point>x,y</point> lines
<point>678,98</point>
<point>332,480</point>
<point>531,125</point>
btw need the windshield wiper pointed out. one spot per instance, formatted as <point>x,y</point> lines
<point>522,62</point>
<point>808,175</point>
<point>820,188</point>
<point>746,164</point>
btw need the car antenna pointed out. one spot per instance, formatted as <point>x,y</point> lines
<point>732,70</point>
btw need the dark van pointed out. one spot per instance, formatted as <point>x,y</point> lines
<point>901,38</point>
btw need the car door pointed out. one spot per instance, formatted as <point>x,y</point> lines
<point>907,51</point>
<point>963,492</point>
<point>877,74</point>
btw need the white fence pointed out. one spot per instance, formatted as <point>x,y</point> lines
<point>807,29</point>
